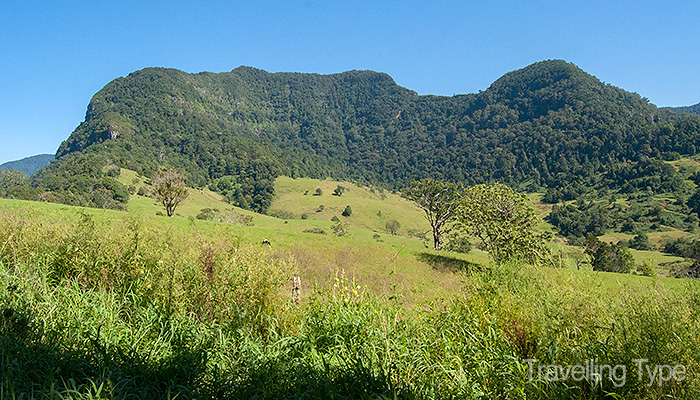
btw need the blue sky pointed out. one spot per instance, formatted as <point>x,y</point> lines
<point>55,55</point>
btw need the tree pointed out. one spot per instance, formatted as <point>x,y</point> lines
<point>347,212</point>
<point>504,222</point>
<point>10,178</point>
<point>338,191</point>
<point>694,202</point>
<point>169,187</point>
<point>392,226</point>
<point>609,257</point>
<point>15,185</point>
<point>641,242</point>
<point>439,201</point>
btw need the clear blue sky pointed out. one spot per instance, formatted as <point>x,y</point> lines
<point>54,55</point>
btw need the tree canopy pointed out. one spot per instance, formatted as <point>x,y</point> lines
<point>504,221</point>
<point>439,201</point>
<point>169,188</point>
<point>609,257</point>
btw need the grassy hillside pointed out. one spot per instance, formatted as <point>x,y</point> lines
<point>297,209</point>
<point>371,207</point>
<point>114,304</point>
<point>391,261</point>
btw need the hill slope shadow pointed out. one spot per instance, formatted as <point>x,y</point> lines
<point>447,263</point>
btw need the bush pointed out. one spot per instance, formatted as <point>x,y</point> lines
<point>315,230</point>
<point>208,214</point>
<point>682,247</point>
<point>646,269</point>
<point>281,214</point>
<point>340,229</point>
<point>339,191</point>
<point>458,244</point>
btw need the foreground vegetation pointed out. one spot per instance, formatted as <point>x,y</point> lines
<point>102,304</point>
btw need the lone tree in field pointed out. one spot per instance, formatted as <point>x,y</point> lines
<point>439,201</point>
<point>504,221</point>
<point>169,187</point>
<point>392,226</point>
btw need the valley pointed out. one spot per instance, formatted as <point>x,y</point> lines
<point>303,176</point>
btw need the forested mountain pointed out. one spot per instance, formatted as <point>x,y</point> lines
<point>683,110</point>
<point>29,165</point>
<point>547,125</point>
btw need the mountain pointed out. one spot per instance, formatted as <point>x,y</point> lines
<point>685,110</point>
<point>549,124</point>
<point>29,165</point>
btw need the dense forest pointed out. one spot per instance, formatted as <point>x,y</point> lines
<point>549,126</point>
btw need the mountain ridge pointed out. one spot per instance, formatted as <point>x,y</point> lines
<point>546,124</point>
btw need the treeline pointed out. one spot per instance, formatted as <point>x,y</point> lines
<point>694,109</point>
<point>547,125</point>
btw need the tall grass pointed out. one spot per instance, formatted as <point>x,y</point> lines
<point>122,310</point>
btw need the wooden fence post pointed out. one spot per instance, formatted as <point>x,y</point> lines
<point>296,290</point>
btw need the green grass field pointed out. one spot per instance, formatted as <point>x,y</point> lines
<point>131,304</point>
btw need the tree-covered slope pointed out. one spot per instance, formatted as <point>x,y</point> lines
<point>545,124</point>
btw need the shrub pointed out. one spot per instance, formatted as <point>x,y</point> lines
<point>208,214</point>
<point>339,191</point>
<point>340,229</point>
<point>316,230</point>
<point>458,244</point>
<point>281,214</point>
<point>646,269</point>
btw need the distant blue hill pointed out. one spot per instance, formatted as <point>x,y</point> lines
<point>29,165</point>
<point>686,110</point>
